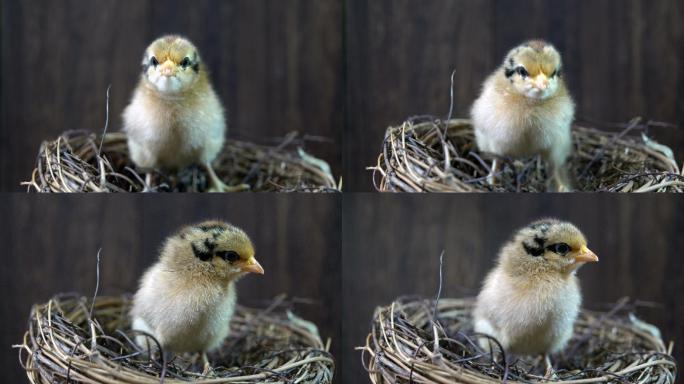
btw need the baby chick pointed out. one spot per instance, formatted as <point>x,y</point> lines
<point>531,299</point>
<point>175,118</point>
<point>526,110</point>
<point>186,299</point>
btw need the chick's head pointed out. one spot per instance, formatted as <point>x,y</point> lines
<point>547,246</point>
<point>533,69</point>
<point>171,64</point>
<point>213,249</point>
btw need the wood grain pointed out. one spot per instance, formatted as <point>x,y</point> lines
<point>276,66</point>
<point>621,59</point>
<point>391,247</point>
<point>51,242</point>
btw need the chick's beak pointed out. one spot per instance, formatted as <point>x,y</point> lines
<point>253,266</point>
<point>167,68</point>
<point>541,81</point>
<point>585,255</point>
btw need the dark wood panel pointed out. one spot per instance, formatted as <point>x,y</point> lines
<point>622,59</point>
<point>391,247</point>
<point>50,245</point>
<point>276,66</point>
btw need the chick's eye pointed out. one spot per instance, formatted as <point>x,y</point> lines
<point>229,256</point>
<point>185,62</point>
<point>556,73</point>
<point>560,248</point>
<point>522,71</point>
<point>153,61</point>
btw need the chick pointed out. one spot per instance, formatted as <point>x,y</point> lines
<point>525,110</point>
<point>186,300</point>
<point>175,118</point>
<point>531,299</point>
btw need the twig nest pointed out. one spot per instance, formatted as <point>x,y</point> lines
<point>410,342</point>
<point>429,155</point>
<point>64,344</point>
<point>74,162</point>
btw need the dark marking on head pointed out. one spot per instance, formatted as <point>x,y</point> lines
<point>195,60</point>
<point>200,254</point>
<point>542,226</point>
<point>533,250</point>
<point>511,62</point>
<point>210,245</point>
<point>211,227</point>
<point>509,72</point>
<point>540,241</point>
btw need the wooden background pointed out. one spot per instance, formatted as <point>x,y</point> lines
<point>622,58</point>
<point>51,242</point>
<point>276,65</point>
<point>391,247</point>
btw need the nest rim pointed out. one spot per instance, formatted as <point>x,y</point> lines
<point>84,161</point>
<point>68,338</point>
<point>427,154</point>
<point>395,352</point>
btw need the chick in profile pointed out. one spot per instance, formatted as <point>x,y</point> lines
<point>531,299</point>
<point>186,300</point>
<point>525,110</point>
<point>175,118</point>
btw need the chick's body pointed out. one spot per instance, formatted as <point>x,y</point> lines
<point>187,316</point>
<point>173,133</point>
<point>525,109</point>
<point>531,299</point>
<point>528,317</point>
<point>186,299</point>
<point>510,124</point>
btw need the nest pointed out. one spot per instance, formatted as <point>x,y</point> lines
<point>412,342</point>
<point>72,340</point>
<point>80,161</point>
<point>429,155</point>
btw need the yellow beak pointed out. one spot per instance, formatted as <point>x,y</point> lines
<point>167,68</point>
<point>585,255</point>
<point>541,81</point>
<point>253,266</point>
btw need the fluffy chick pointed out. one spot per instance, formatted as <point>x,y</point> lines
<point>186,300</point>
<point>531,299</point>
<point>525,110</point>
<point>175,118</point>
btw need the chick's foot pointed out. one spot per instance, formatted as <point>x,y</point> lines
<point>218,186</point>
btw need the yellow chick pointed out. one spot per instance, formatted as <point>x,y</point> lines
<point>531,299</point>
<point>186,300</point>
<point>175,118</point>
<point>525,110</point>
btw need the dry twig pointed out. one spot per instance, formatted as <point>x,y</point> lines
<point>80,161</point>
<point>64,344</point>
<point>425,154</point>
<point>407,345</point>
